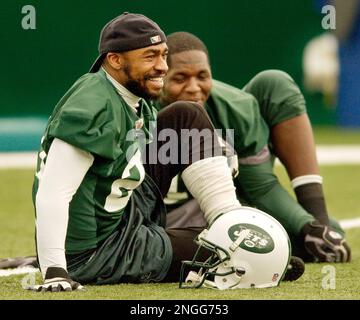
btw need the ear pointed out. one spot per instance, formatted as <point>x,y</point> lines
<point>115,60</point>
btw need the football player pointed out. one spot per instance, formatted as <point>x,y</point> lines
<point>270,120</point>
<point>99,213</point>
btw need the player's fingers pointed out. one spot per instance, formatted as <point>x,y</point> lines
<point>344,253</point>
<point>315,249</point>
<point>45,288</point>
<point>331,256</point>
<point>56,287</point>
<point>37,288</point>
<point>348,252</point>
<point>342,256</point>
<point>339,253</point>
<point>76,285</point>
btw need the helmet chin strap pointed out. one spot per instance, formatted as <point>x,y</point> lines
<point>193,279</point>
<point>212,285</point>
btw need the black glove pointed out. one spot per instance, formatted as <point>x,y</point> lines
<point>325,244</point>
<point>56,279</point>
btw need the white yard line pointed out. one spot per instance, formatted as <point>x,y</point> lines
<point>12,272</point>
<point>11,160</point>
<point>337,154</point>
<point>350,223</point>
<point>327,155</point>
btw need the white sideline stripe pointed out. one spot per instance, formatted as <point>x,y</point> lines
<point>10,160</point>
<point>344,154</point>
<point>326,154</point>
<point>336,154</point>
<point>13,272</point>
<point>350,223</point>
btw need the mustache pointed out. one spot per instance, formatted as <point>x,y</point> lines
<point>154,75</point>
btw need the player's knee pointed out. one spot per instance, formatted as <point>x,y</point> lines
<point>185,109</point>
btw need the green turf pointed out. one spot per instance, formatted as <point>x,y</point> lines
<point>17,234</point>
<point>333,135</point>
<point>341,188</point>
<point>16,213</point>
<point>312,285</point>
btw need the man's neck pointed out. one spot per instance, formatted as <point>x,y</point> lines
<point>131,99</point>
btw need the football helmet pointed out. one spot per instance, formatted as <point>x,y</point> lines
<point>245,248</point>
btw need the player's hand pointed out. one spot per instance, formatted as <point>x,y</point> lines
<point>325,244</point>
<point>57,280</point>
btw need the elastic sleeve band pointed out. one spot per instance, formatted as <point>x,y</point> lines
<point>310,178</point>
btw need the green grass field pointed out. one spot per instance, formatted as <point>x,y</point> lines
<point>332,135</point>
<point>342,189</point>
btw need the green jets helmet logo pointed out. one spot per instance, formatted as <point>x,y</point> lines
<point>258,240</point>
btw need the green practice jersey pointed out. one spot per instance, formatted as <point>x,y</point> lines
<point>231,108</point>
<point>256,185</point>
<point>94,117</point>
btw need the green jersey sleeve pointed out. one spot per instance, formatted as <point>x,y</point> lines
<point>86,119</point>
<point>234,109</point>
<point>278,95</point>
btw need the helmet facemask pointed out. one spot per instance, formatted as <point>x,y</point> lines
<point>218,264</point>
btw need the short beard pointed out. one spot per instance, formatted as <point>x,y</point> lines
<point>135,87</point>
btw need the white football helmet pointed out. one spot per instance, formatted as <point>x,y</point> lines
<point>248,249</point>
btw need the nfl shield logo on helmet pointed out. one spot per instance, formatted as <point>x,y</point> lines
<point>155,39</point>
<point>275,277</point>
